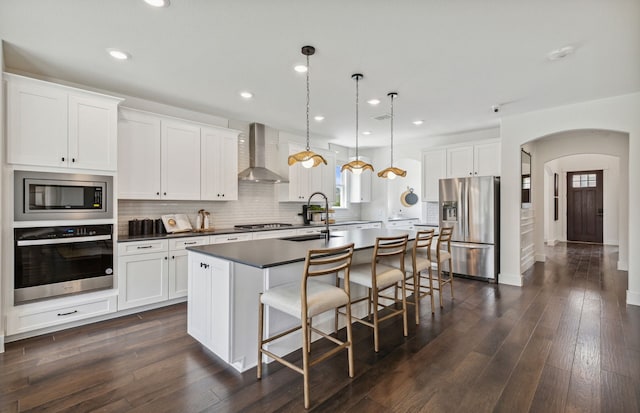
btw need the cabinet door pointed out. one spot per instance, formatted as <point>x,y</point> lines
<point>460,162</point>
<point>138,156</point>
<point>142,279</point>
<point>199,300</point>
<point>360,187</point>
<point>92,133</point>
<point>178,264</point>
<point>219,163</point>
<point>487,159</point>
<point>37,124</point>
<point>180,160</point>
<point>434,168</point>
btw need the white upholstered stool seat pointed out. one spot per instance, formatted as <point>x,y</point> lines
<point>321,297</point>
<point>386,275</point>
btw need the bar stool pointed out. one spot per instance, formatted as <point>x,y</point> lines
<point>305,300</point>
<point>420,260</point>
<point>443,254</point>
<point>378,276</point>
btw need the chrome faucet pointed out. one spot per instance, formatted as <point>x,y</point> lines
<point>326,209</point>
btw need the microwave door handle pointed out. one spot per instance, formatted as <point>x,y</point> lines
<point>27,243</point>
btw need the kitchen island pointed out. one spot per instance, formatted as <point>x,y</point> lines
<point>225,281</point>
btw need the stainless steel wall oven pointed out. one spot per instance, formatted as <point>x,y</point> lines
<point>55,261</point>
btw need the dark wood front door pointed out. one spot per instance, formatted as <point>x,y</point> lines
<point>584,206</point>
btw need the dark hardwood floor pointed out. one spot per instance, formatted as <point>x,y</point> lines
<point>564,342</point>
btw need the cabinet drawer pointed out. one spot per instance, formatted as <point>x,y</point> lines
<point>220,239</point>
<point>142,247</point>
<point>27,320</point>
<point>182,243</point>
<point>305,231</point>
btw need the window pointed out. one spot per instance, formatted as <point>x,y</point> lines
<point>584,181</point>
<point>341,189</point>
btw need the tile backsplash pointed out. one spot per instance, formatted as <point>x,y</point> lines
<point>257,203</point>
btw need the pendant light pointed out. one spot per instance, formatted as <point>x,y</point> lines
<point>391,172</point>
<point>357,166</point>
<point>307,158</point>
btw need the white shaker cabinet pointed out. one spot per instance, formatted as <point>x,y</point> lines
<point>142,273</point>
<point>209,304</point>
<point>178,264</point>
<point>305,181</point>
<point>180,160</point>
<point>482,159</point>
<point>59,126</point>
<point>138,155</point>
<point>434,168</point>
<point>219,164</point>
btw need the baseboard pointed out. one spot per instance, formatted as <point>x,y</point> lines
<point>552,242</point>
<point>510,279</point>
<point>633,298</point>
<point>540,257</point>
<point>2,344</point>
<point>623,266</point>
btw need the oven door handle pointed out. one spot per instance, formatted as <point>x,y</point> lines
<point>27,243</point>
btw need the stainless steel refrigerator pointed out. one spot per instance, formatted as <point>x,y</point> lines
<point>471,205</point>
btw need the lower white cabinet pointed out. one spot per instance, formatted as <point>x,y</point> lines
<point>312,230</point>
<point>142,279</point>
<point>209,303</point>
<point>220,239</point>
<point>408,223</point>
<point>29,317</point>
<point>274,234</point>
<point>178,264</point>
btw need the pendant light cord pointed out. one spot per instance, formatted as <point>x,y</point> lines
<point>308,69</point>
<point>392,130</point>
<point>357,114</point>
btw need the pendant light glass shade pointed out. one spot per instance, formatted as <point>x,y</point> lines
<point>391,172</point>
<point>357,166</point>
<point>307,158</point>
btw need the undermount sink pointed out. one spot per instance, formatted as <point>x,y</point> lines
<point>309,237</point>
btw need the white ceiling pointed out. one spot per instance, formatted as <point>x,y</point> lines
<point>449,61</point>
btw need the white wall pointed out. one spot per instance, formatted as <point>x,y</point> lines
<point>2,221</point>
<point>613,114</point>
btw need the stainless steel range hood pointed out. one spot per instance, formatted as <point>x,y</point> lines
<point>257,172</point>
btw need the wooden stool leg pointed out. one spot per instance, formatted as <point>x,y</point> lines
<point>260,337</point>
<point>440,284</point>
<point>416,294</point>
<point>404,307</point>
<point>433,310</point>
<point>305,360</point>
<point>375,319</point>
<point>350,340</point>
<point>451,276</point>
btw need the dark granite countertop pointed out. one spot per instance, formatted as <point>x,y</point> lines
<point>273,252</point>
<point>225,231</point>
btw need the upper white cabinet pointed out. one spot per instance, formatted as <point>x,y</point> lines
<point>360,185</point>
<point>54,125</point>
<point>434,168</point>
<point>138,155</point>
<point>180,155</point>
<point>219,164</point>
<point>166,158</point>
<point>305,181</point>
<point>481,159</point>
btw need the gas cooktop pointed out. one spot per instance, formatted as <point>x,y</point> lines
<point>262,226</point>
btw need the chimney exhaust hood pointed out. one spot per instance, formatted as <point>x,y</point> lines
<point>257,172</point>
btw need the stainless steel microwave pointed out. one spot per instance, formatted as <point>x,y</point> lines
<point>60,196</point>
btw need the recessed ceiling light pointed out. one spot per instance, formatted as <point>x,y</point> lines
<point>367,132</point>
<point>319,118</point>
<point>246,95</point>
<point>561,53</point>
<point>157,3</point>
<point>119,54</point>
<point>418,122</point>
<point>373,102</point>
<point>300,68</point>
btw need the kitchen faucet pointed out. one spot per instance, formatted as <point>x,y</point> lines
<point>326,209</point>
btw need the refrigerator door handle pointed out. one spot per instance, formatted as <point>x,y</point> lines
<point>466,213</point>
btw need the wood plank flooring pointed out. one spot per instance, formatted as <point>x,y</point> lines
<point>565,342</point>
